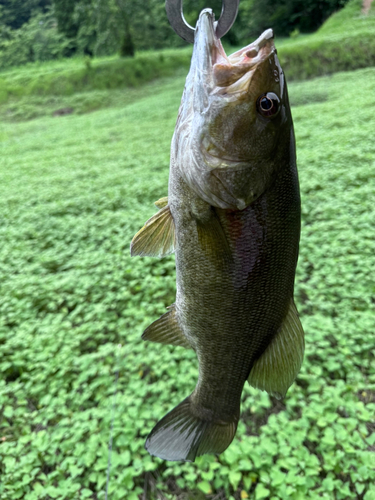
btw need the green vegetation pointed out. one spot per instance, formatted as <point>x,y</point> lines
<point>40,30</point>
<point>80,86</point>
<point>345,42</point>
<point>288,16</point>
<point>65,78</point>
<point>28,107</point>
<point>74,191</point>
<point>36,40</point>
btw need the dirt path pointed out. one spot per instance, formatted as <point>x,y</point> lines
<point>366,6</point>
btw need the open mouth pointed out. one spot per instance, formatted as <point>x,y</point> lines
<point>233,73</point>
<point>230,74</point>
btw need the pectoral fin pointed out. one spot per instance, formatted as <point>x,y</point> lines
<point>166,330</point>
<point>162,202</point>
<point>212,238</point>
<point>280,363</point>
<point>157,236</point>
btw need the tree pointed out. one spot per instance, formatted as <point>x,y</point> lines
<point>122,26</point>
<point>285,16</point>
<point>64,12</point>
<point>114,20</point>
<point>15,13</point>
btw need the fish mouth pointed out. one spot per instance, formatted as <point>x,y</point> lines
<point>229,74</point>
<point>235,75</point>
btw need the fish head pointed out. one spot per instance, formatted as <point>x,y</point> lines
<point>235,127</point>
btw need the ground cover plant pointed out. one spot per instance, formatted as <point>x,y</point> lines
<point>74,190</point>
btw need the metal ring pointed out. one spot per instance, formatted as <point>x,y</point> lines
<point>184,30</point>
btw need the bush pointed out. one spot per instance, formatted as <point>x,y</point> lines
<point>36,40</point>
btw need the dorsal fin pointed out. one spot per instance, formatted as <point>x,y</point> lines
<point>166,330</point>
<point>280,363</point>
<point>157,236</point>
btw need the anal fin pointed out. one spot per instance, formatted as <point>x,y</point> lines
<point>278,366</point>
<point>166,330</point>
<point>157,236</point>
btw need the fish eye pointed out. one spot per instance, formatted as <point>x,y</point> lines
<point>268,104</point>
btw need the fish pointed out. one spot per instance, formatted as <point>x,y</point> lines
<point>232,217</point>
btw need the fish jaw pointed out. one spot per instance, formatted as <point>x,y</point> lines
<point>216,73</point>
<point>207,52</point>
<point>226,151</point>
<point>229,75</point>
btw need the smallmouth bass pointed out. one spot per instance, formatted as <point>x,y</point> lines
<point>232,217</point>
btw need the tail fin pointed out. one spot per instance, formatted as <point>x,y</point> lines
<point>182,435</point>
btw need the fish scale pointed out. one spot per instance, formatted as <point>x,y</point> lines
<point>232,217</point>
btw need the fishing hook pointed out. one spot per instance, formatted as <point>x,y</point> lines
<point>184,30</point>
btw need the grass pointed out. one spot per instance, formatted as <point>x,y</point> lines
<point>64,78</point>
<point>74,191</point>
<point>31,107</point>
<point>346,41</point>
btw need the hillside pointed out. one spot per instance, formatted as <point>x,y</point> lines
<point>346,41</point>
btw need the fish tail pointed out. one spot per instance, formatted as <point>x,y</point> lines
<point>183,435</point>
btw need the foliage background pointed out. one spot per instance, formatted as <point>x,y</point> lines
<point>74,189</point>
<point>39,30</point>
